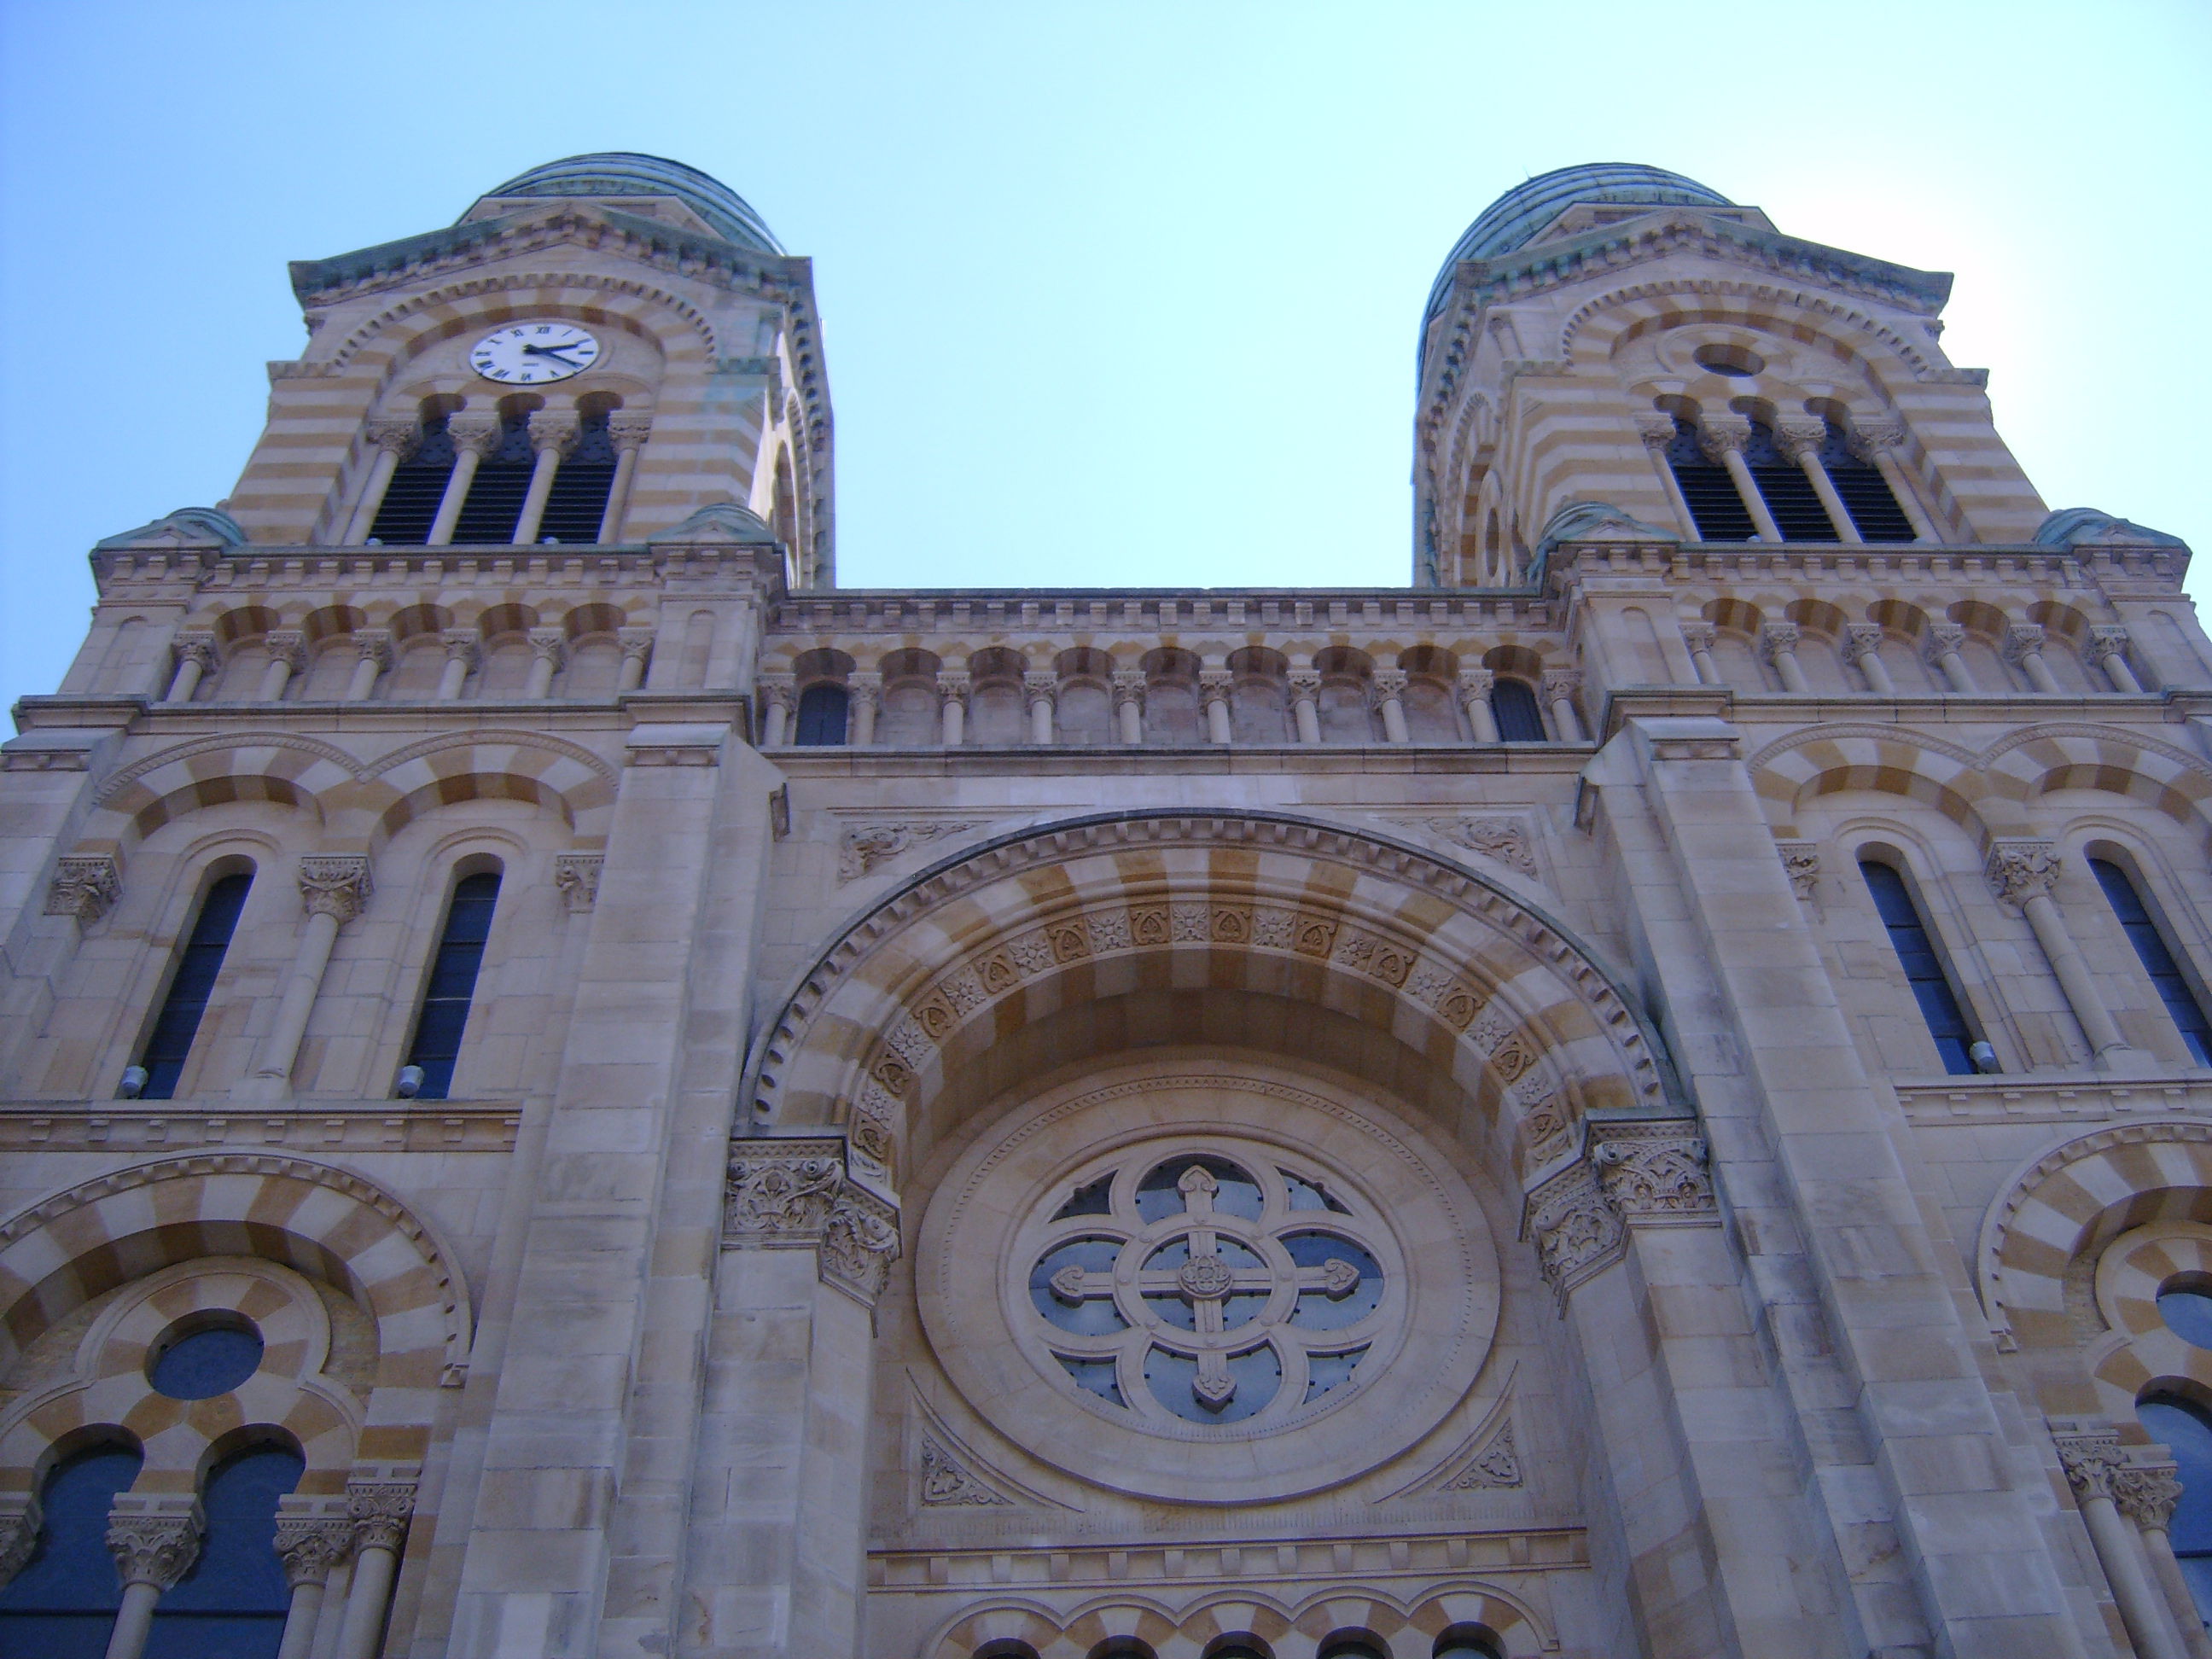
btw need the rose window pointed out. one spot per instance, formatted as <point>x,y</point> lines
<point>1211,1290</point>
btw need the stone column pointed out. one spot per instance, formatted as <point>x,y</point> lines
<point>380,1509</point>
<point>636,653</point>
<point>195,660</point>
<point>777,694</point>
<point>1657,431</point>
<point>1305,703</point>
<point>1129,705</point>
<point>1474,688</point>
<point>153,1550</point>
<point>309,1547</point>
<point>1944,643</point>
<point>1863,647</point>
<point>864,692</point>
<point>2021,873</point>
<point>375,646</point>
<point>1561,687</point>
<point>392,439</point>
<point>2092,1459</point>
<point>1040,687</point>
<point>333,888</point>
<point>2145,1491</point>
<point>1799,438</point>
<point>2023,647</point>
<point>952,687</point>
<point>2108,649</point>
<point>1700,637</point>
<point>806,1250</point>
<point>1723,437</point>
<point>549,648</point>
<point>461,653</point>
<point>1216,687</point>
<point>1777,644</point>
<point>551,437</point>
<point>288,654</point>
<point>1388,688</point>
<point>627,434</point>
<point>1875,441</point>
<point>474,436</point>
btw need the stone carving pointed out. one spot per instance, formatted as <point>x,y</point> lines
<point>945,1485</point>
<point>2022,640</point>
<point>781,1192</point>
<point>479,435</point>
<point>1387,684</point>
<point>1722,435</point>
<point>626,432</point>
<point>2090,1458</point>
<point>1217,685</point>
<point>2019,871</point>
<point>1643,1172</point>
<point>19,1536</point>
<point>1871,436</point>
<point>155,1549</point>
<point>1475,682</point>
<point>380,1511</point>
<point>636,645</point>
<point>1562,683</point>
<point>1498,1464</point>
<point>288,645</point>
<point>1656,430</point>
<point>1575,1232</point>
<point>864,846</point>
<point>859,1243</point>
<point>2147,1492</point>
<point>1778,639</point>
<point>1040,685</point>
<point>1863,640</point>
<point>335,885</point>
<point>193,646</point>
<point>778,690</point>
<point>310,1547</point>
<point>461,645</point>
<point>1305,684</point>
<point>1801,862</point>
<point>953,685</point>
<point>396,438</point>
<point>1799,435</point>
<point>576,876</point>
<point>548,645</point>
<point>1654,1172</point>
<point>1128,687</point>
<point>1505,839</point>
<point>373,645</point>
<point>84,886</point>
<point>1944,638</point>
<point>557,432</point>
<point>1700,635</point>
<point>2104,642</point>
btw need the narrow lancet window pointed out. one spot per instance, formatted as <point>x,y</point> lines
<point>197,964</point>
<point>1513,706</point>
<point>496,493</point>
<point>1923,969</point>
<point>452,983</point>
<point>411,501</point>
<point>2173,987</point>
<point>1708,490</point>
<point>1864,491</point>
<point>821,710</point>
<point>578,500</point>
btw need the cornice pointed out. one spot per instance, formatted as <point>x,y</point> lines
<point>1974,562</point>
<point>902,610</point>
<point>128,1126</point>
<point>260,568</point>
<point>1563,760</point>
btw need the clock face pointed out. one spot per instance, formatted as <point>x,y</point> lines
<point>530,354</point>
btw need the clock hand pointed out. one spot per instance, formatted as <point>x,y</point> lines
<point>550,351</point>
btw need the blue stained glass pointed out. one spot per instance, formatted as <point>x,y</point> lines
<point>2185,1428</point>
<point>1259,1375</point>
<point>232,1604</point>
<point>62,1604</point>
<point>1089,1316</point>
<point>1094,1376</point>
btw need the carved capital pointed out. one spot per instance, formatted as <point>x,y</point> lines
<point>865,690</point>
<point>1656,430</point>
<point>1723,435</point>
<point>1576,1233</point>
<point>576,876</point>
<point>2022,869</point>
<point>1801,862</point>
<point>2090,1456</point>
<point>1875,434</point>
<point>778,690</point>
<point>288,645</point>
<point>379,1510</point>
<point>953,685</point>
<point>20,1522</point>
<point>556,431</point>
<point>1040,685</point>
<point>1944,638</point>
<point>2022,640</point>
<point>1863,640</point>
<point>780,1193</point>
<point>461,645</point>
<point>1799,435</point>
<point>859,1243</point>
<point>1128,687</point>
<point>1700,635</point>
<point>548,645</point>
<point>2147,1491</point>
<point>373,645</point>
<point>395,438</point>
<point>1777,638</point>
<point>1388,684</point>
<point>1305,686</point>
<point>155,1549</point>
<point>334,884</point>
<point>479,435</point>
<point>84,886</point>
<point>1217,685</point>
<point>1655,1173</point>
<point>627,432</point>
<point>309,1547</point>
<point>2106,642</point>
<point>636,643</point>
<point>1562,684</point>
<point>194,646</point>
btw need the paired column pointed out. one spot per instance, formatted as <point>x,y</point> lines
<point>1561,687</point>
<point>392,439</point>
<point>1388,690</point>
<point>374,644</point>
<point>1723,437</point>
<point>1217,687</point>
<point>153,1550</point>
<point>1129,705</point>
<point>195,660</point>
<point>1474,688</point>
<point>2021,873</point>
<point>333,888</point>
<point>1777,643</point>
<point>288,655</point>
<point>474,436</point>
<point>2023,648</point>
<point>378,1509</point>
<point>2108,649</point>
<point>1041,689</point>
<point>461,653</point>
<point>1799,438</point>
<point>1946,643</point>
<point>1863,648</point>
<point>952,688</point>
<point>864,693</point>
<point>627,434</point>
<point>2094,1464</point>
<point>551,437</point>
<point>777,693</point>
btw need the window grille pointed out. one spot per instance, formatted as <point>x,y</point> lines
<point>578,500</point>
<point>496,493</point>
<point>1864,492</point>
<point>452,983</point>
<point>1924,967</point>
<point>411,501</point>
<point>197,964</point>
<point>2173,988</point>
<point>1513,706</point>
<point>1710,495</point>
<point>821,710</point>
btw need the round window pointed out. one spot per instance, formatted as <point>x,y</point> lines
<point>1732,360</point>
<point>198,1362</point>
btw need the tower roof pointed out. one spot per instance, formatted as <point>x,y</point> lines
<point>626,173</point>
<point>1515,218</point>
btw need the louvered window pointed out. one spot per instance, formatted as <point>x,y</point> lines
<point>453,984</point>
<point>1865,493</point>
<point>410,501</point>
<point>2142,932</point>
<point>1789,494</point>
<point>197,964</point>
<point>1708,490</point>
<point>578,500</point>
<point>496,493</point>
<point>1924,967</point>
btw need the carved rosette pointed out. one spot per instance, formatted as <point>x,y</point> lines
<point>1641,1173</point>
<point>576,876</point>
<point>2147,1492</point>
<point>379,1510</point>
<point>796,1194</point>
<point>154,1549</point>
<point>309,1548</point>
<point>335,885</point>
<point>2019,871</point>
<point>19,1533</point>
<point>1801,862</point>
<point>84,886</point>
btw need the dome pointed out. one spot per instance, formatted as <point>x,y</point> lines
<point>625,172</point>
<point>1513,220</point>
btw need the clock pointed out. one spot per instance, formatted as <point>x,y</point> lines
<point>530,354</point>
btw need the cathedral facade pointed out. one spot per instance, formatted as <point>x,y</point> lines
<point>571,1087</point>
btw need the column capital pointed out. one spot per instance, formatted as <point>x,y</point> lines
<point>781,690</point>
<point>576,876</point>
<point>548,645</point>
<point>479,435</point>
<point>1656,430</point>
<point>554,431</point>
<point>864,687</point>
<point>1776,637</point>
<point>288,645</point>
<point>1801,862</point>
<point>1799,435</point>
<point>786,1195</point>
<point>335,884</point>
<point>153,1548</point>
<point>2022,640</point>
<point>627,432</point>
<point>1217,685</point>
<point>309,1547</point>
<point>1722,435</point>
<point>1305,683</point>
<point>373,645</point>
<point>1559,683</point>
<point>2104,641</point>
<point>395,437</point>
<point>85,886</point>
<point>1945,637</point>
<point>1653,1172</point>
<point>2021,869</point>
<point>1875,435</point>
<point>1863,640</point>
<point>953,685</point>
<point>461,645</point>
<point>380,1508</point>
<point>1040,685</point>
<point>1128,687</point>
<point>2147,1488</point>
<point>1700,635</point>
<point>195,644</point>
<point>2089,1452</point>
<point>1387,683</point>
<point>635,643</point>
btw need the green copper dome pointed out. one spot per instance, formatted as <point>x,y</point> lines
<point>625,173</point>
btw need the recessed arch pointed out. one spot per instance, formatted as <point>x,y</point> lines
<point>1598,327</point>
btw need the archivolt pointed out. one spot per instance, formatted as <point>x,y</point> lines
<point>625,287</point>
<point>1641,303</point>
<point>1519,1016</point>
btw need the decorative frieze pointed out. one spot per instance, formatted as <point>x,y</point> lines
<point>335,884</point>
<point>84,886</point>
<point>796,1194</point>
<point>1505,839</point>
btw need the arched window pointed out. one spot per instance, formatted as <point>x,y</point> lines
<point>1466,1642</point>
<point>410,501</point>
<point>822,708</point>
<point>2142,932</point>
<point>197,964</point>
<point>63,1604</point>
<point>1864,492</point>
<point>494,506</point>
<point>1351,1647</point>
<point>2184,1426</point>
<point>232,1603</point>
<point>1707,490</point>
<point>1513,706</point>
<point>452,983</point>
<point>578,501</point>
<point>1789,494</point>
<point>1924,967</point>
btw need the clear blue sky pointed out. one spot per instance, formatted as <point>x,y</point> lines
<point>1113,293</point>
